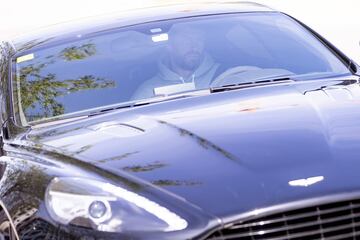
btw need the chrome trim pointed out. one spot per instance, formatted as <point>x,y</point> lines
<point>291,206</point>
<point>295,205</point>
<point>305,215</point>
<point>320,231</point>
<point>301,225</point>
<point>346,235</point>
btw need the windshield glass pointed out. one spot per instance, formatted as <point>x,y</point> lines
<point>166,57</point>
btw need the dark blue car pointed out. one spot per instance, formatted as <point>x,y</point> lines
<point>211,121</point>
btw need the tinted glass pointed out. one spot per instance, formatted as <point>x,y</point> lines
<point>166,57</point>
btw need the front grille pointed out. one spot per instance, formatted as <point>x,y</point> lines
<point>330,221</point>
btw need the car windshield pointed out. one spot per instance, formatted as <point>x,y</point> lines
<point>163,58</point>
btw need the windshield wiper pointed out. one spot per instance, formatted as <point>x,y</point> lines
<point>142,102</point>
<point>202,92</point>
<point>117,106</point>
<point>259,82</point>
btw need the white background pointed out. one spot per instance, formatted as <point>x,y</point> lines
<point>337,20</point>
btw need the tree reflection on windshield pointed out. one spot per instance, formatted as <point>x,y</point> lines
<point>39,90</point>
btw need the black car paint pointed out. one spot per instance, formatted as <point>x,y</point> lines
<point>210,157</point>
<point>250,178</point>
<point>217,140</point>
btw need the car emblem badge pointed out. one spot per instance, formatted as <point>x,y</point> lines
<point>305,182</point>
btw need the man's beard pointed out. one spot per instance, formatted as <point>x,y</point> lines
<point>190,62</point>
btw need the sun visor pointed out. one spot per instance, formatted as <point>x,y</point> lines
<point>241,37</point>
<point>132,45</point>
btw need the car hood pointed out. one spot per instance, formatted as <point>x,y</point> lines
<point>229,152</point>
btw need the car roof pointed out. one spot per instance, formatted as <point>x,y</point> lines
<point>81,28</point>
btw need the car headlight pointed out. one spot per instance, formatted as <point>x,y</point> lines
<point>106,207</point>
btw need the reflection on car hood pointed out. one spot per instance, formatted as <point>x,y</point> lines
<point>230,152</point>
